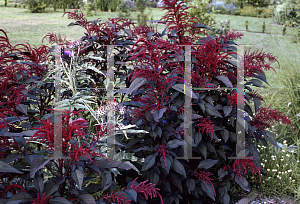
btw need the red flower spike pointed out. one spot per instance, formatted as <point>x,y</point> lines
<point>247,161</point>
<point>265,116</point>
<point>256,61</point>
<point>147,190</point>
<point>11,188</point>
<point>41,199</point>
<point>114,197</point>
<point>204,176</point>
<point>84,150</point>
<point>162,151</point>
<point>206,126</point>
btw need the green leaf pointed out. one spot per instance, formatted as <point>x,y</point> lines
<point>179,168</point>
<point>77,175</point>
<point>6,168</point>
<point>208,163</point>
<point>148,163</point>
<point>208,189</point>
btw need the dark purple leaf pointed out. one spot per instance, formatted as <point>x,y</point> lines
<point>148,163</point>
<point>87,199</point>
<point>77,176</point>
<point>208,163</point>
<point>6,168</point>
<point>208,189</point>
<point>190,183</point>
<point>60,200</point>
<point>132,193</point>
<point>179,168</point>
<point>106,181</point>
<point>38,183</point>
<point>37,163</point>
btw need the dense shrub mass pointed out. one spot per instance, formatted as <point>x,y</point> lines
<point>163,118</point>
<point>223,8</point>
<point>287,13</point>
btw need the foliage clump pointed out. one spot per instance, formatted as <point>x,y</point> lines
<point>182,131</point>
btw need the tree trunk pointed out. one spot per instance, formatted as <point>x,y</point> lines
<point>5,3</point>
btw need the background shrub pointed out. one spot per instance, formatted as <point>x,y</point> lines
<point>201,11</point>
<point>222,8</point>
<point>37,6</point>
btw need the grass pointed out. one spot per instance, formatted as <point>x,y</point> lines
<point>23,26</point>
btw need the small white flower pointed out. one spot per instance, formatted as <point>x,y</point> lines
<point>101,111</point>
<point>274,169</point>
<point>283,150</point>
<point>279,177</point>
<point>122,110</point>
<point>268,169</point>
<point>288,155</point>
<point>277,165</point>
<point>273,158</point>
<point>284,141</point>
<point>285,172</point>
<point>293,180</point>
<point>297,161</point>
<point>289,104</point>
<point>289,170</point>
<point>290,177</point>
<point>281,159</point>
